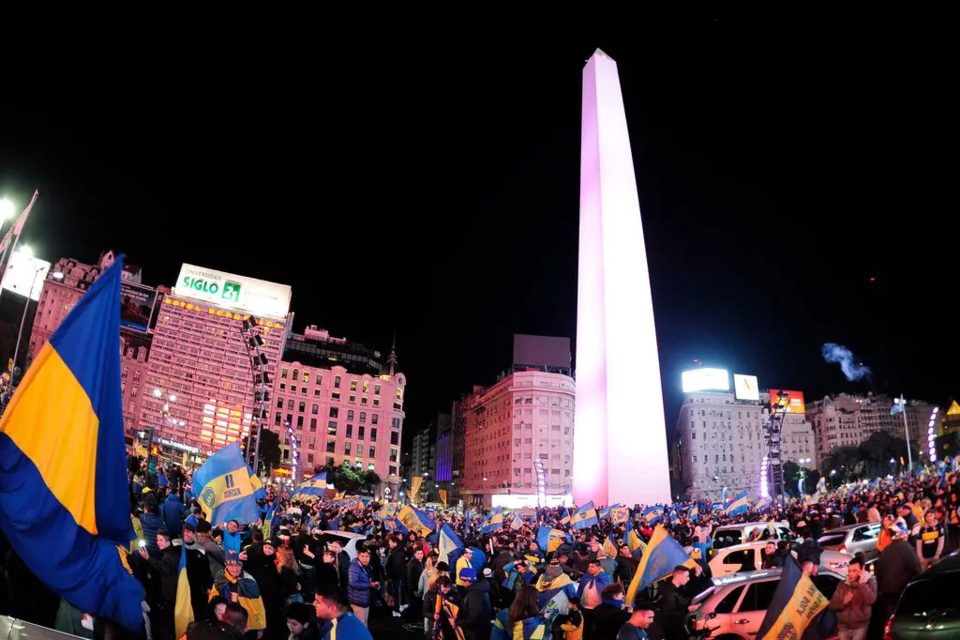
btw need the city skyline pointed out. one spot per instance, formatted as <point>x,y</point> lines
<point>771,213</point>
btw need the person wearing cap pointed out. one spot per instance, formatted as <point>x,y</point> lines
<point>476,611</point>
<point>551,582</point>
<point>260,563</point>
<point>898,564</point>
<point>462,563</point>
<point>640,620</point>
<point>237,586</point>
<point>198,571</point>
<point>338,621</point>
<point>590,594</point>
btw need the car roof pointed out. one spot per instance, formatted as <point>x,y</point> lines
<point>948,564</point>
<point>848,527</point>
<point>747,524</point>
<point>349,535</point>
<point>746,545</point>
<point>745,577</point>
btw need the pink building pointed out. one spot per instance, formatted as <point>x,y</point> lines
<point>199,389</point>
<point>344,403</point>
<point>525,417</point>
<point>67,280</point>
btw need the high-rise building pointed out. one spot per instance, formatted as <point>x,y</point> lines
<point>344,403</point>
<point>199,389</point>
<point>444,473</point>
<point>423,463</point>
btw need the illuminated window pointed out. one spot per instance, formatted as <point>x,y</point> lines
<point>353,385</point>
<point>346,448</point>
<point>306,376</point>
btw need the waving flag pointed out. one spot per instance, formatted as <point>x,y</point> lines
<point>313,487</point>
<point>662,554</point>
<point>64,495</point>
<point>694,513</point>
<point>606,512</point>
<point>739,504</point>
<point>259,493</point>
<point>632,539</point>
<point>610,547</point>
<point>619,515</point>
<point>652,514</point>
<point>549,539</point>
<point>182,608</point>
<point>586,516</point>
<point>415,520</point>
<point>393,524</point>
<point>493,522</point>
<point>448,543</point>
<point>795,605</point>
<point>223,487</point>
<point>565,520</point>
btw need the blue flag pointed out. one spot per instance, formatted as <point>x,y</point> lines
<point>795,606</point>
<point>311,488</point>
<point>225,491</point>
<point>661,555</point>
<point>586,516</point>
<point>64,495</point>
<point>739,504</point>
<point>448,543</point>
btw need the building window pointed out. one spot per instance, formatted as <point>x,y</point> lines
<point>329,461</point>
<point>393,471</point>
<point>316,393</point>
<point>395,423</point>
<point>353,400</point>
<point>313,442</point>
<point>310,458</point>
<point>279,403</point>
<point>289,420</point>
<point>374,418</point>
<point>363,400</point>
<point>363,417</point>
<point>693,435</point>
<point>349,414</point>
<point>277,420</point>
<point>318,379</point>
<point>293,388</point>
<point>306,377</point>
<point>301,407</point>
<point>296,374</point>
<point>353,385</point>
<point>331,446</point>
<point>284,373</point>
<point>349,430</point>
<point>359,450</point>
<point>334,412</point>
<point>366,386</point>
<point>315,409</point>
<point>393,455</point>
<point>376,402</point>
<point>376,389</point>
<point>299,422</point>
<point>394,437</point>
<point>336,382</point>
<point>373,452</point>
<point>313,424</point>
<point>373,434</point>
<point>282,386</point>
<point>346,448</point>
<point>289,405</point>
<point>335,395</point>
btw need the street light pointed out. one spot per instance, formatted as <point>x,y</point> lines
<point>27,252</point>
<point>6,210</point>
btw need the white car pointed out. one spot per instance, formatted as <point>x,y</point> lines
<point>749,557</point>
<point>734,607</point>
<point>348,540</point>
<point>729,535</point>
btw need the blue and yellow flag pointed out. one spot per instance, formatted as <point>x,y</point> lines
<point>619,515</point>
<point>586,516</point>
<point>662,554</point>
<point>223,487</point>
<point>795,605</point>
<point>448,543</point>
<point>549,539</point>
<point>694,513</point>
<point>632,539</point>
<point>259,493</point>
<point>183,607</point>
<point>607,512</point>
<point>493,521</point>
<point>393,524</point>
<point>313,487</point>
<point>64,495</point>
<point>610,546</point>
<point>739,504</point>
<point>534,628</point>
<point>565,519</point>
<point>652,514</point>
<point>415,520</point>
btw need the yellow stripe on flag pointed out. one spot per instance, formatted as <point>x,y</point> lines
<point>803,606</point>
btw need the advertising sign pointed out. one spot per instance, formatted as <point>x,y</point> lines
<point>136,306</point>
<point>230,291</point>
<point>705,380</point>
<point>795,402</point>
<point>746,387</point>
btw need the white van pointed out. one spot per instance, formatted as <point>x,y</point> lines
<point>731,534</point>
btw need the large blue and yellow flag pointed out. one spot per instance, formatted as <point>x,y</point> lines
<point>607,512</point>
<point>694,513</point>
<point>652,514</point>
<point>259,493</point>
<point>610,546</point>
<point>64,495</point>
<point>223,487</point>
<point>586,516</point>
<point>549,539</point>
<point>661,555</point>
<point>493,521</point>
<point>739,504</point>
<point>313,487</point>
<point>619,515</point>
<point>632,540</point>
<point>415,520</point>
<point>795,606</point>
<point>565,518</point>
<point>448,543</point>
<point>183,606</point>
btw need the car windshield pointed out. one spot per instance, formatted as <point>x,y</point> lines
<point>832,539</point>
<point>935,595</point>
<point>727,538</point>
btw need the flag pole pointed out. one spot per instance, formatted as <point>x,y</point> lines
<point>906,432</point>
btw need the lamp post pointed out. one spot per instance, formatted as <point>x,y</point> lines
<point>26,252</point>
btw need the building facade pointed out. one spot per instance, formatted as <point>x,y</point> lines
<point>344,407</point>
<point>525,417</point>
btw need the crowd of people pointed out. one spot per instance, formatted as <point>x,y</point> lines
<point>281,577</point>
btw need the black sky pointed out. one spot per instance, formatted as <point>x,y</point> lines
<point>431,187</point>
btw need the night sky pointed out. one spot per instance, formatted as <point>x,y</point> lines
<point>430,187</point>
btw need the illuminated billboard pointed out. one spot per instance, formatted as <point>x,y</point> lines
<point>705,380</point>
<point>746,387</point>
<point>229,291</point>
<point>794,400</point>
<point>25,275</point>
<point>136,306</point>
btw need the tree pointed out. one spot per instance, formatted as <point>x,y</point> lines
<point>269,449</point>
<point>877,450</point>
<point>791,477</point>
<point>371,480</point>
<point>841,464</point>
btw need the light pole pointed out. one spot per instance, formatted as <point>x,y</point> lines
<point>26,252</point>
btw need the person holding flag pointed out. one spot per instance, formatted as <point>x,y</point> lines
<point>796,605</point>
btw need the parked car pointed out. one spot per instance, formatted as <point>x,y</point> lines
<point>734,607</point>
<point>348,540</point>
<point>749,557</point>
<point>929,608</point>
<point>853,539</point>
<point>731,534</point>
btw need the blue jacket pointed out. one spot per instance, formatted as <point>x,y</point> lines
<point>231,541</point>
<point>347,626</point>
<point>601,580</point>
<point>358,588</point>
<point>151,524</point>
<point>172,511</point>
